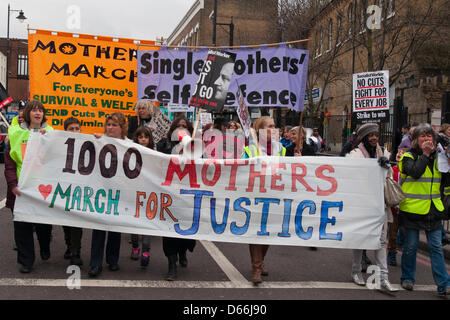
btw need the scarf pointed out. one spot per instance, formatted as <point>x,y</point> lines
<point>379,151</point>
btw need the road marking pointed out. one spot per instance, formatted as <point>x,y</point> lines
<point>227,267</point>
<point>17,282</point>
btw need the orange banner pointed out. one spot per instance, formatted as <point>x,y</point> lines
<point>84,76</point>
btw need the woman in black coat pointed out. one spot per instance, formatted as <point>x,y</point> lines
<point>307,150</point>
<point>175,248</point>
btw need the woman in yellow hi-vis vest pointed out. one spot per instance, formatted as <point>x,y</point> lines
<point>34,120</point>
<point>265,145</point>
<point>422,208</point>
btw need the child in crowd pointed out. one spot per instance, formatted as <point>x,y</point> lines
<point>142,136</point>
<point>72,235</point>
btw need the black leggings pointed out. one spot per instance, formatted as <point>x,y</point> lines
<point>23,236</point>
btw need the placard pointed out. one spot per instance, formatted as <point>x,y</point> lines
<point>371,96</point>
<point>160,126</point>
<point>211,89</point>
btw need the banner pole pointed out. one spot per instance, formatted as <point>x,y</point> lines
<point>197,116</point>
<point>299,143</point>
<point>236,47</point>
<point>6,121</point>
<point>255,139</point>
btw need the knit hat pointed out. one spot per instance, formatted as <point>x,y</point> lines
<point>367,129</point>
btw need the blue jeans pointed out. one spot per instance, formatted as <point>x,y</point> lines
<point>409,254</point>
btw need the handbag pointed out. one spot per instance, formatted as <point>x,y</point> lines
<point>393,193</point>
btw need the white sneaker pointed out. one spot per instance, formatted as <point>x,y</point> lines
<point>387,286</point>
<point>358,279</point>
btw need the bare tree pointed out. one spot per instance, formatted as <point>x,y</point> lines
<point>302,19</point>
<point>404,30</point>
<point>407,27</point>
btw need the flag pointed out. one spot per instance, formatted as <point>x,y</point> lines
<point>5,99</point>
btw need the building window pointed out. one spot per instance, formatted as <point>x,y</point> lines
<point>316,44</point>
<point>362,23</point>
<point>321,42</point>
<point>390,8</point>
<point>330,34</point>
<point>350,20</point>
<point>339,30</point>
<point>22,66</point>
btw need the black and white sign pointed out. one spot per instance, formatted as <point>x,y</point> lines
<point>371,96</point>
<point>211,89</point>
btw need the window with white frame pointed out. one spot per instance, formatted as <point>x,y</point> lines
<point>350,19</point>
<point>321,42</point>
<point>390,8</point>
<point>339,30</point>
<point>362,22</point>
<point>316,44</point>
<point>330,34</point>
<point>22,66</point>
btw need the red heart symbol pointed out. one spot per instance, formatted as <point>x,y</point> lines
<point>45,190</point>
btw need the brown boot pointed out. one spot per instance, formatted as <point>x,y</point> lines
<point>264,271</point>
<point>257,261</point>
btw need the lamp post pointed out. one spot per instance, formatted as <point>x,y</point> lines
<point>21,17</point>
<point>215,24</point>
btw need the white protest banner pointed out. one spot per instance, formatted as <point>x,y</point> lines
<point>160,125</point>
<point>244,115</point>
<point>371,96</point>
<point>117,185</point>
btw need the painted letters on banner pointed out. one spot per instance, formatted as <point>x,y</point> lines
<point>371,96</point>
<point>212,85</point>
<point>82,76</point>
<point>117,185</point>
<point>267,76</point>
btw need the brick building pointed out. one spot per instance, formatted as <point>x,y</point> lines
<point>254,22</point>
<point>17,84</point>
<point>409,41</point>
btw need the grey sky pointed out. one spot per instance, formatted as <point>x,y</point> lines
<point>136,19</point>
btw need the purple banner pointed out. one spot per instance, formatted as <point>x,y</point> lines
<point>268,77</point>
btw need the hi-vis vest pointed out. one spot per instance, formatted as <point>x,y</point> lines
<point>420,192</point>
<point>446,191</point>
<point>18,139</point>
<point>252,151</point>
